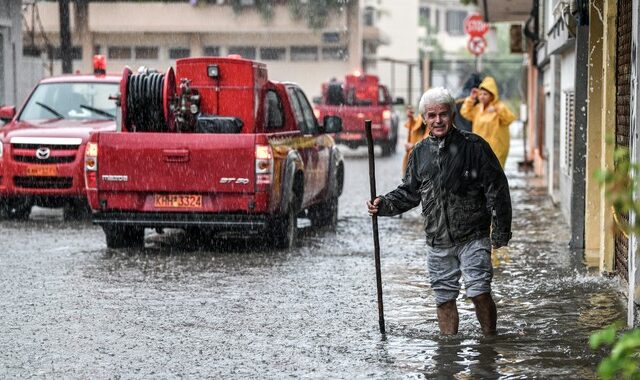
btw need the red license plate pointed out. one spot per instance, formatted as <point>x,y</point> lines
<point>177,201</point>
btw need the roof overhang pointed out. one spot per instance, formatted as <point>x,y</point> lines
<point>505,10</point>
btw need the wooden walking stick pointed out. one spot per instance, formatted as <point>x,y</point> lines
<point>374,221</point>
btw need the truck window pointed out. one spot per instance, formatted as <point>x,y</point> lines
<point>273,110</point>
<point>307,111</point>
<point>297,111</point>
<point>71,101</point>
<point>383,97</point>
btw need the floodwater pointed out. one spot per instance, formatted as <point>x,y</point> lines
<point>200,308</point>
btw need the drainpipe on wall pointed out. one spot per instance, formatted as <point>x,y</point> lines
<point>633,255</point>
<point>580,132</point>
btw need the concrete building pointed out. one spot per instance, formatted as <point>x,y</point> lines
<point>155,34</point>
<point>10,51</point>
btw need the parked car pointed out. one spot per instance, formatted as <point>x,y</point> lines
<point>42,146</point>
<point>223,149</point>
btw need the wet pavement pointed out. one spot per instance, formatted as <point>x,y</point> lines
<point>192,307</point>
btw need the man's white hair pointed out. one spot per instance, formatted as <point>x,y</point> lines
<point>436,95</point>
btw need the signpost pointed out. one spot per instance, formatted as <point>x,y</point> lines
<point>476,28</point>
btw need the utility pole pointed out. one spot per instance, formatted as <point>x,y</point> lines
<point>65,36</point>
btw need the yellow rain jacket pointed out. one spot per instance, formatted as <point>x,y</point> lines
<point>490,123</point>
<point>417,131</point>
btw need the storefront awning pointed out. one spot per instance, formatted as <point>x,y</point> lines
<point>505,10</point>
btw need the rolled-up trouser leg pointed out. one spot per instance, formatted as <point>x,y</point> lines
<point>476,267</point>
<point>444,273</point>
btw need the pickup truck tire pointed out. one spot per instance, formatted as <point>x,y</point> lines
<point>76,210</point>
<point>389,147</point>
<point>325,214</point>
<point>15,209</point>
<point>124,236</point>
<point>285,228</point>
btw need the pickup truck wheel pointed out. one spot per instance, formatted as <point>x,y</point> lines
<point>15,209</point>
<point>389,147</point>
<point>285,228</point>
<point>76,210</point>
<point>325,214</point>
<point>124,236</point>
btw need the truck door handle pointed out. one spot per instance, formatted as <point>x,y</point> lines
<point>175,155</point>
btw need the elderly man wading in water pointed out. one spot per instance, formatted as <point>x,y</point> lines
<point>466,207</point>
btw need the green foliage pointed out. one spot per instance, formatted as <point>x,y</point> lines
<point>467,2</point>
<point>625,352</point>
<point>620,185</point>
<point>315,12</point>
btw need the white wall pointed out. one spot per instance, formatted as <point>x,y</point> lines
<point>567,83</point>
<point>399,21</point>
<point>11,54</point>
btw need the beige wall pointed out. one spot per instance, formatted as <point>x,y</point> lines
<point>169,25</point>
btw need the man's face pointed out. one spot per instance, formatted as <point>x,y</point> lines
<point>438,118</point>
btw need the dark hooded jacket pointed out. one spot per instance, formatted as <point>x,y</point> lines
<point>463,190</point>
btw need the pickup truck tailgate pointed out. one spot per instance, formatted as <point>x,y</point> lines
<point>181,162</point>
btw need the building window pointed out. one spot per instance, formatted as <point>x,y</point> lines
<point>177,53</point>
<point>212,51</point>
<point>369,16</point>
<point>76,53</point>
<point>273,54</point>
<point>119,52</point>
<point>330,37</point>
<point>570,124</point>
<point>304,53</point>
<point>455,22</point>
<point>146,52</point>
<point>334,53</point>
<point>247,52</point>
<point>436,26</point>
<point>424,18</point>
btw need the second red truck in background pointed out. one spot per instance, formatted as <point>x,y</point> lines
<point>357,98</point>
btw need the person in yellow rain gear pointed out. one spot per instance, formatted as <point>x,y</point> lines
<point>418,130</point>
<point>490,117</point>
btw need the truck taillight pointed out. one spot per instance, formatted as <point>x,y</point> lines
<point>91,165</point>
<point>264,165</point>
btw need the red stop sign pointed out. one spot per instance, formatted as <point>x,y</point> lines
<point>475,26</point>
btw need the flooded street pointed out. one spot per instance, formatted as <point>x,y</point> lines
<point>185,307</point>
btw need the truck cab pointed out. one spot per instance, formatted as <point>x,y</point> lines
<point>42,145</point>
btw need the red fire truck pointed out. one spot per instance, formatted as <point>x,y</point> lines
<point>357,98</point>
<point>42,146</point>
<point>214,145</point>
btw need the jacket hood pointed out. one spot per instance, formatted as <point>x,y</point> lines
<point>489,84</point>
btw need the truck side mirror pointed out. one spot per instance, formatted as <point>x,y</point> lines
<point>7,113</point>
<point>332,124</point>
<point>398,101</point>
<point>316,99</point>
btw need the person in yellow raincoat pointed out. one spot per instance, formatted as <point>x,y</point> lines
<point>417,131</point>
<point>490,117</point>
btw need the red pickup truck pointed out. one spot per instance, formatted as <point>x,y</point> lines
<point>220,148</point>
<point>361,97</point>
<point>42,146</point>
